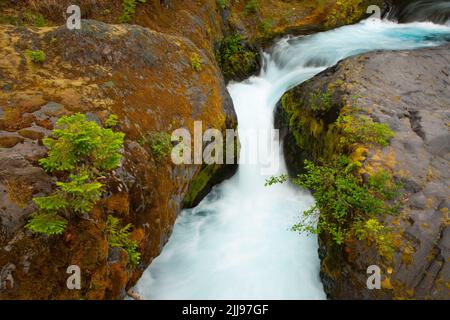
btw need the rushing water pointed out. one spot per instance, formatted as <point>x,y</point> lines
<point>237,243</point>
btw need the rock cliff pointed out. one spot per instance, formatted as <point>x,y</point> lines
<point>408,91</point>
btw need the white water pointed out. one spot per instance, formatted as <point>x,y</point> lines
<point>237,243</point>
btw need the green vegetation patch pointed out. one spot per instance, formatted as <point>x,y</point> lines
<point>129,9</point>
<point>121,237</point>
<point>80,152</point>
<point>235,60</point>
<point>35,56</point>
<point>348,206</point>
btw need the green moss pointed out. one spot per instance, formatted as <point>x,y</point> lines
<point>199,183</point>
<point>36,56</point>
<point>196,62</point>
<point>345,12</point>
<point>34,19</point>
<point>251,6</point>
<point>235,60</point>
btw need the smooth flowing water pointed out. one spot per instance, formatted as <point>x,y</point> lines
<point>237,243</point>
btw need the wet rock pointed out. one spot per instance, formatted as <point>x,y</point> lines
<point>407,90</point>
<point>146,79</point>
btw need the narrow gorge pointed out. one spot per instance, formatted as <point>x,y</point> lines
<point>361,105</point>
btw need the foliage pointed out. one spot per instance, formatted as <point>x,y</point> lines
<point>121,237</point>
<point>129,9</point>
<point>275,180</point>
<point>340,197</point>
<point>266,26</point>
<point>321,101</point>
<point>223,4</point>
<point>373,231</point>
<point>112,121</point>
<point>362,129</point>
<point>160,144</point>
<point>382,182</point>
<point>36,56</point>
<point>196,62</point>
<point>79,143</point>
<point>47,223</point>
<point>234,59</point>
<point>251,7</point>
<point>81,152</point>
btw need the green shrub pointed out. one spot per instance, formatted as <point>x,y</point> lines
<point>36,56</point>
<point>339,199</point>
<point>81,152</point>
<point>129,9</point>
<point>251,7</point>
<point>112,121</point>
<point>196,62</point>
<point>121,237</point>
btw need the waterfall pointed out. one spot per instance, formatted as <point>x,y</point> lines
<point>437,11</point>
<point>237,243</point>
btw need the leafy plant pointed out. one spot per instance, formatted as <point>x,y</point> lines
<point>112,121</point>
<point>275,180</point>
<point>321,101</point>
<point>81,152</point>
<point>196,62</point>
<point>36,56</point>
<point>47,223</point>
<point>160,144</point>
<point>121,237</point>
<point>129,9</point>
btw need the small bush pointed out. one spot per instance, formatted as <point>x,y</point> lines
<point>36,56</point>
<point>121,237</point>
<point>81,152</point>
<point>112,121</point>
